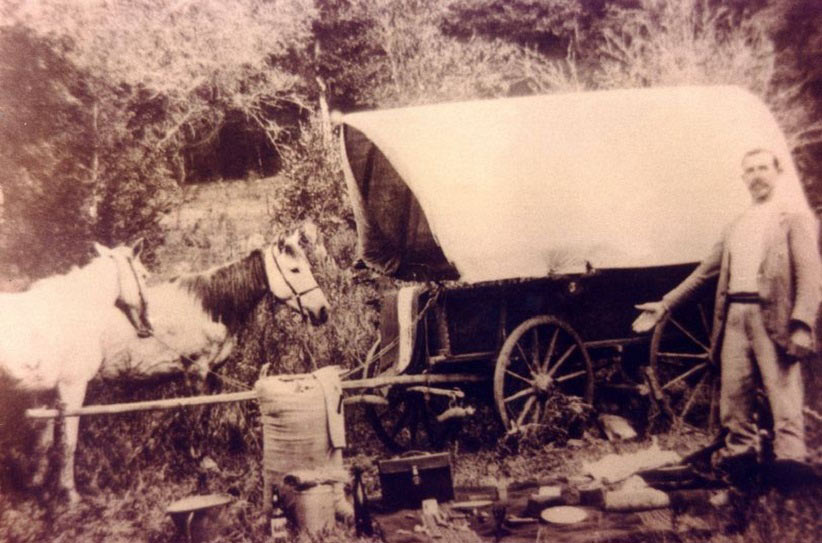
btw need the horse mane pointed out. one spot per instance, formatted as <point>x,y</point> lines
<point>229,293</point>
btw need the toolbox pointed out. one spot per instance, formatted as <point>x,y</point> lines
<point>409,479</point>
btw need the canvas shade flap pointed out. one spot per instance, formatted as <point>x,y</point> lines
<point>530,186</point>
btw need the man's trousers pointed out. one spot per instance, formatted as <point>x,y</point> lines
<point>748,354</point>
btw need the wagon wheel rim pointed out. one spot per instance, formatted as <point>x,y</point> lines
<point>685,378</point>
<point>543,356</point>
<point>406,423</point>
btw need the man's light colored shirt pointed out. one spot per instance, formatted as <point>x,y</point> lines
<point>746,246</point>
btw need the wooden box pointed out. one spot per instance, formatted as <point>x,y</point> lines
<point>408,480</point>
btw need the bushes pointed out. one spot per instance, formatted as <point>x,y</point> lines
<point>74,168</point>
<point>44,157</point>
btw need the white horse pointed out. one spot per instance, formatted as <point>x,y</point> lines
<point>197,316</point>
<point>51,335</point>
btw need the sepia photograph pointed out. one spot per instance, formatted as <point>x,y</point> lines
<point>410,271</point>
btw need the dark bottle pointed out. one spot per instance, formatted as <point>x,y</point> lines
<point>362,516</point>
<point>279,523</point>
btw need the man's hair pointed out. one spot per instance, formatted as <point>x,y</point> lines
<point>762,150</point>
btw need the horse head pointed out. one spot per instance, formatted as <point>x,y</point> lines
<point>131,278</point>
<point>291,281</point>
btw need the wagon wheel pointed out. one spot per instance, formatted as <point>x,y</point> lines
<point>541,358</point>
<point>684,379</point>
<point>408,421</point>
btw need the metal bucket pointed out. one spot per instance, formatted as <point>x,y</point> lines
<point>313,508</point>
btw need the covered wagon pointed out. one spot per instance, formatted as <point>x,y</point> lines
<point>526,230</point>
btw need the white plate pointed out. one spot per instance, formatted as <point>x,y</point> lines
<point>564,514</point>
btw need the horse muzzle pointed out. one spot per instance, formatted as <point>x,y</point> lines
<point>318,317</point>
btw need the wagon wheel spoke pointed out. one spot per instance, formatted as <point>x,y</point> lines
<point>689,334</point>
<point>519,395</point>
<point>569,376</point>
<point>529,403</point>
<point>526,359</point>
<point>561,360</point>
<point>682,366</point>
<point>519,377</point>
<point>550,352</point>
<point>538,413</point>
<point>703,317</point>
<point>690,402</point>
<point>683,376</point>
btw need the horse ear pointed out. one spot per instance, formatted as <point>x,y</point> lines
<point>102,250</point>
<point>305,239</point>
<point>280,244</point>
<point>294,237</point>
<point>137,247</point>
<point>310,232</point>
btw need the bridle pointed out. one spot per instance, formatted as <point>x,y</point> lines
<point>295,295</point>
<point>120,303</point>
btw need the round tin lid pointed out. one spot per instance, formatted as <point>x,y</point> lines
<point>564,514</point>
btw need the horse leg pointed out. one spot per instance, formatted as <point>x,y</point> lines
<point>72,396</point>
<point>45,440</point>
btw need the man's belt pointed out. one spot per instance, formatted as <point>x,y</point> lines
<point>744,298</point>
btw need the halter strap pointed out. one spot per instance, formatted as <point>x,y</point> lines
<point>270,262</point>
<point>130,264</point>
<point>137,282</point>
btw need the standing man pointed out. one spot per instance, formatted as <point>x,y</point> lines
<point>767,299</point>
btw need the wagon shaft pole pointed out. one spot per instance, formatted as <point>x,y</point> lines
<point>173,403</point>
<point>154,405</point>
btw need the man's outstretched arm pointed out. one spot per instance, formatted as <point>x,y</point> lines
<point>653,312</point>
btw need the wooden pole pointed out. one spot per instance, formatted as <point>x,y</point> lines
<point>153,405</point>
<point>173,403</point>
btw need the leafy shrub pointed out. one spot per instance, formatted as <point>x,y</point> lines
<point>44,157</point>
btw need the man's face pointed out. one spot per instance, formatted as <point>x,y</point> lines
<point>760,175</point>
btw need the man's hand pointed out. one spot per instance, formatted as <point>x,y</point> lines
<point>652,313</point>
<point>801,343</point>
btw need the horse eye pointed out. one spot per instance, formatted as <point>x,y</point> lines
<point>294,270</point>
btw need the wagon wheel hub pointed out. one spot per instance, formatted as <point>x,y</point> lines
<point>543,383</point>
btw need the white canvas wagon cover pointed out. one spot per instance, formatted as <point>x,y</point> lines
<point>530,186</point>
